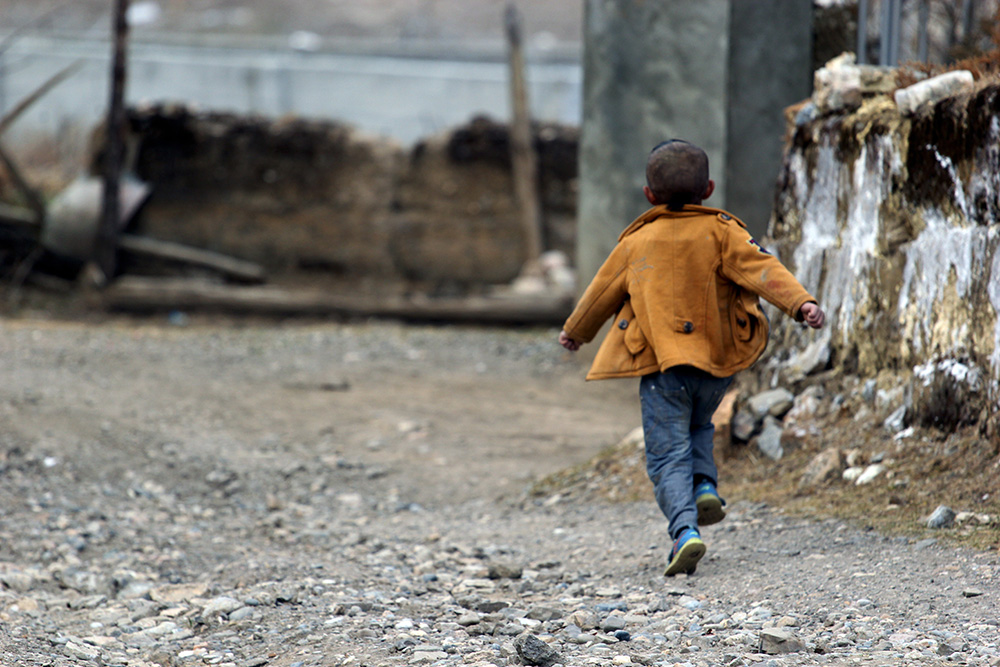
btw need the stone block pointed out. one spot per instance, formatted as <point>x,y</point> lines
<point>932,90</point>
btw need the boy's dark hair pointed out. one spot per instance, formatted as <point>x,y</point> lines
<point>677,173</point>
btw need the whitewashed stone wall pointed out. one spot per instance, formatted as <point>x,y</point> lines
<point>891,220</point>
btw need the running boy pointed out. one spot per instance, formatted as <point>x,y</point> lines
<point>683,286</point>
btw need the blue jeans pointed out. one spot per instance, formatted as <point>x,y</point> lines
<point>677,409</point>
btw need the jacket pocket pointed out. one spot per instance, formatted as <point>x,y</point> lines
<point>633,338</point>
<point>743,316</point>
<point>625,351</point>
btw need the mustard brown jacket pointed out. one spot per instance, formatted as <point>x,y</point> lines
<point>683,287</point>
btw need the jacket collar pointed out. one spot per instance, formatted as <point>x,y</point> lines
<point>689,211</point>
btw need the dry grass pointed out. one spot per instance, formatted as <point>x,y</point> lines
<point>928,469</point>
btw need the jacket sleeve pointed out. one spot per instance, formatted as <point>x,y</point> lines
<point>752,267</point>
<point>602,298</point>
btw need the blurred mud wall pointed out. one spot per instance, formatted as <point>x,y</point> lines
<point>317,202</point>
<point>890,219</point>
<point>716,72</point>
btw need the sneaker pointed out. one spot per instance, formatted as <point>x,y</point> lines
<point>687,551</point>
<point>710,505</point>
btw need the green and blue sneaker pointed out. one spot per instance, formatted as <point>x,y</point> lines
<point>710,505</point>
<point>687,551</point>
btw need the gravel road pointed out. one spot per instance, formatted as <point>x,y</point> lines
<point>245,494</point>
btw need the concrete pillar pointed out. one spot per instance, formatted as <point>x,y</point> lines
<point>770,68</point>
<point>717,73</point>
<point>652,71</point>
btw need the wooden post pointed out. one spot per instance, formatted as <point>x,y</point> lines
<point>107,237</point>
<point>524,163</point>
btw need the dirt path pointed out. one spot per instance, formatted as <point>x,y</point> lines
<point>355,495</point>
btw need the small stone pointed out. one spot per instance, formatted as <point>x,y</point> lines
<point>586,620</point>
<point>971,593</point>
<point>853,473</point>
<point>490,606</point>
<point>813,359</point>
<point>896,422</point>
<point>868,392</point>
<point>623,635</point>
<point>943,517</point>
<point>471,618</point>
<point>953,645</point>
<point>743,426</point>
<point>504,570</point>
<point>174,593</point>
<point>533,651</point>
<point>26,605</point>
<point>81,652</point>
<point>775,402</point>
<point>869,474</point>
<point>776,641</point>
<point>19,582</point>
<point>769,441</point>
<point>221,606</point>
<point>825,466</point>
<point>543,613</point>
<point>100,641</point>
<point>511,629</point>
<point>241,614</point>
<point>613,623</point>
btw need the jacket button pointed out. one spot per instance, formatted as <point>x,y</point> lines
<point>623,324</point>
<point>688,327</point>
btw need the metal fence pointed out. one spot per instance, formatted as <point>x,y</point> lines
<point>895,31</point>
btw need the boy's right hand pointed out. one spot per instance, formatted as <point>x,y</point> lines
<point>568,342</point>
<point>813,315</point>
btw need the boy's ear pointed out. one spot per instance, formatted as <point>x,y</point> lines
<point>709,190</point>
<point>650,197</point>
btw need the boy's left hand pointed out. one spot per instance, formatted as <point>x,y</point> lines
<point>568,342</point>
<point>813,315</point>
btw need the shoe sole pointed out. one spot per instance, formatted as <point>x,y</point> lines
<point>709,509</point>
<point>687,558</point>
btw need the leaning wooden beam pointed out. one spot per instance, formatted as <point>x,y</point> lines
<point>224,264</point>
<point>137,294</point>
<point>25,104</point>
<point>17,216</point>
